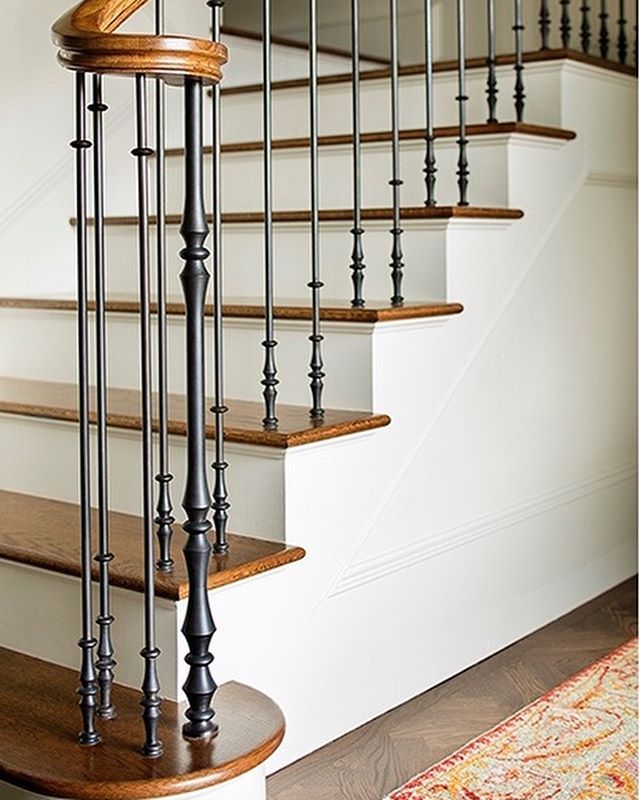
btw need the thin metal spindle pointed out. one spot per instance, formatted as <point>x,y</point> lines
<point>430,155</point>
<point>221,503</point>
<point>357,253</point>
<point>151,700</point>
<point>492,81</point>
<point>463,163</point>
<point>565,24</point>
<point>164,508</point>
<point>270,370</point>
<point>635,45</point>
<point>519,95</point>
<point>397,265</point>
<point>622,35</point>
<point>316,365</point>
<point>585,27</point>
<point>603,36</point>
<point>105,662</point>
<point>545,24</point>
<point>88,688</point>
<point>198,627</point>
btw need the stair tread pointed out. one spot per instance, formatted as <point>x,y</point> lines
<point>408,134</point>
<point>294,309</point>
<point>39,721</point>
<point>45,533</point>
<point>243,422</point>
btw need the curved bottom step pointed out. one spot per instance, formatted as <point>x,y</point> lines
<point>39,752</point>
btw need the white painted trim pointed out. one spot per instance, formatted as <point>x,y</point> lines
<point>613,180</point>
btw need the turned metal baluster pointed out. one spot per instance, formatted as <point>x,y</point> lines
<point>603,36</point>
<point>198,627</point>
<point>397,265</point>
<point>622,35</point>
<point>357,253</point>
<point>463,163</point>
<point>88,688</point>
<point>492,81</point>
<point>316,365</point>
<point>430,155</point>
<point>585,27</point>
<point>221,503</point>
<point>519,95</point>
<point>565,24</point>
<point>164,508</point>
<point>105,662</point>
<point>545,24</point>
<point>151,700</point>
<point>270,370</point>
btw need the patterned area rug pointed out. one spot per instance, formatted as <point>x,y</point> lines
<point>579,742</point>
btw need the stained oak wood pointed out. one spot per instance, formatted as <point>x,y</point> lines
<point>39,751</point>
<point>294,310</point>
<point>45,533</point>
<point>86,38</point>
<point>50,400</point>
<point>406,135</point>
<point>383,754</point>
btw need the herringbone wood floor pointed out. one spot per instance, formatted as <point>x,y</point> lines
<point>383,754</point>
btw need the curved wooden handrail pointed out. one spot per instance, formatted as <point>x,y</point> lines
<point>88,42</point>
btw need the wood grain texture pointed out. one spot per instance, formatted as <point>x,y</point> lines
<point>87,42</point>
<point>382,755</point>
<point>294,310</point>
<point>406,135</point>
<point>441,66</point>
<point>39,751</point>
<point>243,423</point>
<point>45,533</point>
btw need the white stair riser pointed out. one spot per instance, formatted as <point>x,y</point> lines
<point>44,342</point>
<point>45,457</point>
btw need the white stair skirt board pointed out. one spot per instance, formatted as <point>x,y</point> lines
<point>250,786</point>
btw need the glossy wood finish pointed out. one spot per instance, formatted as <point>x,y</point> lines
<point>51,400</point>
<point>373,312</point>
<point>407,135</point>
<point>88,42</point>
<point>381,755</point>
<point>44,533</point>
<point>38,749</point>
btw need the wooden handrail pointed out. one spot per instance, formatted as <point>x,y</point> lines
<point>88,42</point>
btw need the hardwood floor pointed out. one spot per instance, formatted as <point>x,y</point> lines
<point>381,755</point>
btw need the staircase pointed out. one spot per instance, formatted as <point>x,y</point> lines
<point>473,473</point>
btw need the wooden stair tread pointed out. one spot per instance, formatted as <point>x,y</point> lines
<point>243,422</point>
<point>374,311</point>
<point>39,721</point>
<point>409,134</point>
<point>45,533</point>
<point>480,62</point>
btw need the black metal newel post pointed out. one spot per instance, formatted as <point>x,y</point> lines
<point>430,155</point>
<point>463,163</point>
<point>198,627</point>
<point>105,662</point>
<point>316,365</point>
<point>622,35</point>
<point>565,24</point>
<point>518,29</point>
<point>88,688</point>
<point>585,27</point>
<point>357,253</point>
<point>603,36</point>
<point>164,508</point>
<point>270,370</point>
<point>492,81</point>
<point>397,265</point>
<point>221,503</point>
<point>545,24</point>
<point>151,700</point>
